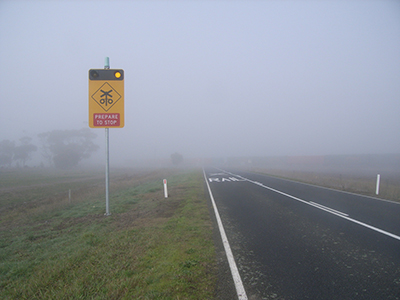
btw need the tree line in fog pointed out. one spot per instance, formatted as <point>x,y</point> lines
<point>59,148</point>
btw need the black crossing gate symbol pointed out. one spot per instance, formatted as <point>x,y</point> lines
<point>106,96</point>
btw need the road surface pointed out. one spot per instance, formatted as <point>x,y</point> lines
<point>297,241</point>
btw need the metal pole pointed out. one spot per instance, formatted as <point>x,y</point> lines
<point>107,66</point>
<point>107,173</point>
<point>107,63</point>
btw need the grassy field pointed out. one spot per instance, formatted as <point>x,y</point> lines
<point>149,248</point>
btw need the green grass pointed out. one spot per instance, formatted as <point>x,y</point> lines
<point>29,177</point>
<point>149,248</point>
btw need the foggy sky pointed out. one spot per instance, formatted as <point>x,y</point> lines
<point>209,78</point>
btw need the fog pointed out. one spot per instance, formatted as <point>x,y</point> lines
<point>208,78</point>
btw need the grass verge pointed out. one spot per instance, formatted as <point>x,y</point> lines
<point>149,248</point>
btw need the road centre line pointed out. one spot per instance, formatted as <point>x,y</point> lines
<point>319,206</point>
<point>231,260</point>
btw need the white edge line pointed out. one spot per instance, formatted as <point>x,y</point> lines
<point>231,260</point>
<point>326,209</point>
<point>320,187</point>
<point>332,189</point>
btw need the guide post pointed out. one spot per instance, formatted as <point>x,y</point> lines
<point>378,181</point>
<point>165,188</point>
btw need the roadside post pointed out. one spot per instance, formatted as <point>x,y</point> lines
<point>378,181</point>
<point>165,189</point>
<point>106,106</point>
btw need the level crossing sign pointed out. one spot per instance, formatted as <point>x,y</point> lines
<point>106,98</point>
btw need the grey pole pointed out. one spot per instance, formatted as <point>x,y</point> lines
<point>107,66</point>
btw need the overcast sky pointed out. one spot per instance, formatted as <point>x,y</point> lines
<point>209,78</point>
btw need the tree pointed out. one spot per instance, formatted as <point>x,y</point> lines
<point>6,152</point>
<point>23,152</point>
<point>176,158</point>
<point>66,148</point>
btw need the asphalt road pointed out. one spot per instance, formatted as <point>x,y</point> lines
<point>297,241</point>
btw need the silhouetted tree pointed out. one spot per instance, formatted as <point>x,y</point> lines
<point>23,152</point>
<point>66,148</point>
<point>176,158</point>
<point>6,152</point>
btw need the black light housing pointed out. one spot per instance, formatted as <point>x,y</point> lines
<point>106,74</point>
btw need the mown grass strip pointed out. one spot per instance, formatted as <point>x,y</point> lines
<point>149,248</point>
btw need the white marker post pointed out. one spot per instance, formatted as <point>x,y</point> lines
<point>378,181</point>
<point>165,189</point>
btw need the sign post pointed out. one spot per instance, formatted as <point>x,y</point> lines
<point>106,106</point>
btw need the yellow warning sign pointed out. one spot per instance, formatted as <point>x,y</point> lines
<point>106,98</point>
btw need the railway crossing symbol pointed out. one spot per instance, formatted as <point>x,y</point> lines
<point>106,96</point>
